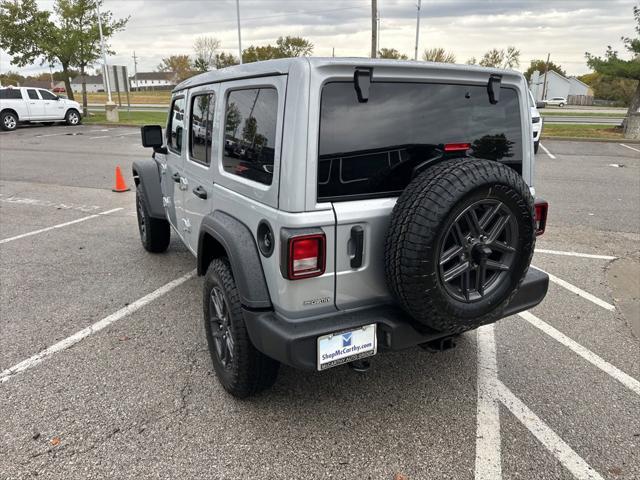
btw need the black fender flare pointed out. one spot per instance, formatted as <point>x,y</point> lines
<point>146,172</point>
<point>240,246</point>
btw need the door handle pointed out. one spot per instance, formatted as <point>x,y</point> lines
<point>200,192</point>
<point>357,237</point>
<point>176,177</point>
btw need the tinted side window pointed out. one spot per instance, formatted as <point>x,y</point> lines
<point>176,125</point>
<point>250,133</point>
<point>33,95</point>
<point>10,94</point>
<point>47,95</point>
<point>372,149</point>
<point>201,127</point>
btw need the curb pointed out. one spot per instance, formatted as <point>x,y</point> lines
<point>107,124</point>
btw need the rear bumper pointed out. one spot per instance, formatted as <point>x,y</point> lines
<point>293,341</point>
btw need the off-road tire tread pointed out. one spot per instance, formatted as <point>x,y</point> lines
<point>253,371</point>
<point>417,218</point>
<point>158,229</point>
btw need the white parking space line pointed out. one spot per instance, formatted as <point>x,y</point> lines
<point>546,436</point>
<point>60,225</point>
<point>551,155</point>
<point>102,136</point>
<point>627,146</point>
<point>575,254</point>
<point>578,291</point>
<point>96,327</point>
<point>488,443</point>
<point>627,380</point>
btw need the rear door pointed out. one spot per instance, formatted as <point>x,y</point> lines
<point>35,104</point>
<point>368,153</point>
<point>199,158</point>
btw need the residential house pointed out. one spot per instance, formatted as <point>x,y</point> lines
<point>575,91</point>
<point>153,81</point>
<point>94,84</point>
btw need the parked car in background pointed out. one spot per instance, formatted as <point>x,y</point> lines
<point>556,101</point>
<point>26,104</point>
<point>536,120</point>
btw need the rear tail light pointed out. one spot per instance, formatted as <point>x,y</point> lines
<point>541,207</point>
<point>306,256</point>
<point>457,147</point>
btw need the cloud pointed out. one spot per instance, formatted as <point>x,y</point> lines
<point>564,28</point>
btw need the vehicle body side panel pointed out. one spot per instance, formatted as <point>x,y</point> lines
<point>146,172</point>
<point>240,245</point>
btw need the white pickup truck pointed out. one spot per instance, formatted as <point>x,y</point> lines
<point>26,104</point>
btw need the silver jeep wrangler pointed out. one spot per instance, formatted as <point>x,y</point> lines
<point>338,208</point>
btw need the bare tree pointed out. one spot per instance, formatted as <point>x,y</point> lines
<point>206,49</point>
<point>439,55</point>
<point>500,58</point>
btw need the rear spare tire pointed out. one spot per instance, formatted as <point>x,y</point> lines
<point>460,243</point>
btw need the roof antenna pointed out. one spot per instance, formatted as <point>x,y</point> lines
<point>362,81</point>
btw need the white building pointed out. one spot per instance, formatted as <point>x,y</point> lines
<point>94,84</point>
<point>557,86</point>
<point>153,81</point>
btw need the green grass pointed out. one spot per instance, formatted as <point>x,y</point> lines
<point>582,114</point>
<point>129,118</point>
<point>581,131</point>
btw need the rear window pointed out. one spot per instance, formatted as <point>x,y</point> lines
<point>250,133</point>
<point>10,94</point>
<point>371,149</point>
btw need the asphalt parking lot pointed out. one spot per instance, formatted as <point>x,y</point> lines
<point>104,370</point>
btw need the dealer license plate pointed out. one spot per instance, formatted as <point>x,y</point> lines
<point>342,347</point>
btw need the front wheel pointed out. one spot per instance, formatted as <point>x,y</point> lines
<point>155,233</point>
<point>561,105</point>
<point>72,117</point>
<point>241,369</point>
<point>9,121</point>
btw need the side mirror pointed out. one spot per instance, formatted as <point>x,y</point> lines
<point>540,104</point>
<point>151,136</point>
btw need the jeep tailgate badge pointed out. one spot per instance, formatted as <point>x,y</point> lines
<point>362,82</point>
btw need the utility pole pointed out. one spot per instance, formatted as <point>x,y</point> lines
<point>239,36</point>
<point>415,56</point>
<point>135,70</point>
<point>374,33</point>
<point>333,51</point>
<point>544,85</point>
<point>104,54</point>
<point>378,32</point>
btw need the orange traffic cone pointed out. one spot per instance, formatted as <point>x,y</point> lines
<point>120,185</point>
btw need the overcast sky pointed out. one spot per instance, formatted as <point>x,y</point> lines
<point>564,28</point>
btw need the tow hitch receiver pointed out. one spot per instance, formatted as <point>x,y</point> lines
<point>440,344</point>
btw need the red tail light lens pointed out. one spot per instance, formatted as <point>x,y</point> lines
<point>306,256</point>
<point>541,207</point>
<point>457,147</point>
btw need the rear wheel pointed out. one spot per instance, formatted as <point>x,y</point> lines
<point>8,121</point>
<point>460,243</point>
<point>241,369</point>
<point>155,233</point>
